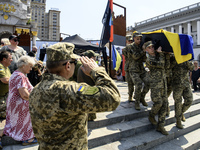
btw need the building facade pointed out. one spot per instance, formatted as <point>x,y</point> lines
<point>48,24</point>
<point>14,18</point>
<point>185,20</point>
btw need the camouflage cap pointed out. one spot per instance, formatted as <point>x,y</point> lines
<point>90,53</point>
<point>61,51</point>
<point>147,44</point>
<point>135,34</point>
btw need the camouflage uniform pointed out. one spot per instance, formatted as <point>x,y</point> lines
<point>181,87</point>
<point>127,75</point>
<point>158,86</point>
<point>82,77</point>
<point>59,107</point>
<point>4,88</point>
<point>137,72</point>
<point>168,72</point>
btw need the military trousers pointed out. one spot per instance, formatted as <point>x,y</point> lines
<point>140,80</point>
<point>3,106</point>
<point>159,98</point>
<point>178,93</point>
<point>130,84</point>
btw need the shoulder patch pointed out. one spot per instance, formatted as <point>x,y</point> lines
<point>81,88</point>
<point>90,90</point>
<point>1,69</point>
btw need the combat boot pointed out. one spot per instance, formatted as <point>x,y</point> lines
<point>162,130</point>
<point>130,98</point>
<point>143,102</point>
<point>152,120</point>
<point>137,105</point>
<point>183,118</point>
<point>178,124</point>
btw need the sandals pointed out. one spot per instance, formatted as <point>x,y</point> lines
<point>26,142</point>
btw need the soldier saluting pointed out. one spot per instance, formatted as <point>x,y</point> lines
<point>59,107</point>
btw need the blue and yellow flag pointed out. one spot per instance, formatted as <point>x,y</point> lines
<point>180,44</point>
<point>116,58</point>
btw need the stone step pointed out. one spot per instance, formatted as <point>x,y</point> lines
<point>189,141</point>
<point>127,114</point>
<point>152,138</point>
<point>111,133</point>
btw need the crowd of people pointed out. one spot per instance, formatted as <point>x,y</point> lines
<point>51,104</point>
<point>156,70</point>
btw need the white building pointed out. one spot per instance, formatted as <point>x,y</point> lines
<point>185,20</point>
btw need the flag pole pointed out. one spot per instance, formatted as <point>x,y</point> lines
<point>110,58</point>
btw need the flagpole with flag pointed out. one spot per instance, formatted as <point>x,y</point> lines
<point>107,32</point>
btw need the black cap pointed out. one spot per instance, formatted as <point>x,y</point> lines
<point>13,36</point>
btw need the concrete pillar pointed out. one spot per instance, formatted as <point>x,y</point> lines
<point>180,29</point>
<point>198,32</point>
<point>34,40</point>
<point>189,28</point>
<point>172,29</point>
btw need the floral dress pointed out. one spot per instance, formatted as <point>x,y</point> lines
<point>18,120</point>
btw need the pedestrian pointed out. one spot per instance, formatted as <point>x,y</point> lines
<point>18,122</point>
<point>181,88</point>
<point>128,59</point>
<point>15,50</point>
<point>137,72</point>
<point>157,79</point>
<point>59,107</point>
<point>194,76</point>
<point>5,61</point>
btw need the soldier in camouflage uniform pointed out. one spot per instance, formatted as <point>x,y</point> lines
<point>181,88</point>
<point>168,72</point>
<point>5,61</point>
<point>136,70</point>
<point>158,85</point>
<point>127,75</point>
<point>59,107</point>
<point>81,77</point>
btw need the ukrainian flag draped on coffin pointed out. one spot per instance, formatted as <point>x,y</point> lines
<point>180,44</point>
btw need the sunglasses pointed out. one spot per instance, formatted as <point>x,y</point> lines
<point>16,40</point>
<point>72,61</point>
<point>2,43</point>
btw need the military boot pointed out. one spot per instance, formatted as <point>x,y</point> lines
<point>143,102</point>
<point>162,130</point>
<point>130,98</point>
<point>179,124</point>
<point>152,120</point>
<point>137,105</point>
<point>183,118</point>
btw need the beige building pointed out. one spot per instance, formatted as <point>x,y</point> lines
<point>48,24</point>
<point>185,20</point>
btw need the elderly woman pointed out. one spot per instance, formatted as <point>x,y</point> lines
<point>18,121</point>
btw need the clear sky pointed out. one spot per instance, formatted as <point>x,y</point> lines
<point>84,17</point>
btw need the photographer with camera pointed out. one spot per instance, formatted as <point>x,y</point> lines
<point>15,50</point>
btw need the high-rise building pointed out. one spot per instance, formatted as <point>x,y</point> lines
<point>48,24</point>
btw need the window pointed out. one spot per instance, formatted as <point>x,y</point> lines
<point>191,28</point>
<point>182,30</point>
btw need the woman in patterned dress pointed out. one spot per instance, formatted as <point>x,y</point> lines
<point>18,121</point>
